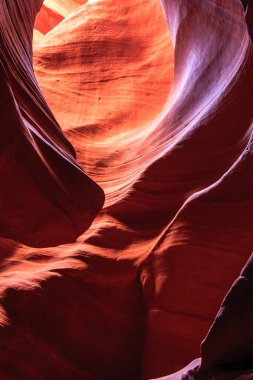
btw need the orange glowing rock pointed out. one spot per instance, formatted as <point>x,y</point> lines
<point>159,111</point>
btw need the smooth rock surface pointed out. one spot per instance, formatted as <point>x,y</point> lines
<point>159,110</point>
<point>45,197</point>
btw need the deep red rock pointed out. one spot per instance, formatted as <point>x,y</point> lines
<point>46,199</point>
<point>163,124</point>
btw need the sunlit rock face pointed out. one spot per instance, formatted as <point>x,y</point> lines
<point>106,80</point>
<point>156,99</point>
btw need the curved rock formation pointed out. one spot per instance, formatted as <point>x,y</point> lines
<point>46,199</point>
<point>162,122</point>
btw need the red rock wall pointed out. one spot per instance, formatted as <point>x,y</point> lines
<point>159,111</point>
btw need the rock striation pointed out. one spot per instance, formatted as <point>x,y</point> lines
<point>156,99</point>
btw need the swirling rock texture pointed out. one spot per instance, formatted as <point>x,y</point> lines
<point>46,199</point>
<point>159,111</point>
